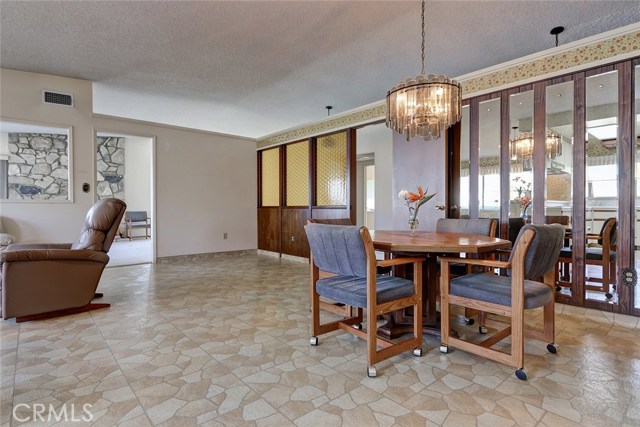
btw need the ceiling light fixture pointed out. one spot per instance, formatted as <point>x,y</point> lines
<point>425,105</point>
<point>521,146</point>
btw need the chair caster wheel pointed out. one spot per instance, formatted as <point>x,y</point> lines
<point>313,341</point>
<point>371,372</point>
<point>417,351</point>
<point>469,321</point>
<point>358,326</point>
<point>521,374</point>
<point>482,329</point>
<point>609,295</point>
<point>444,349</point>
<point>552,348</point>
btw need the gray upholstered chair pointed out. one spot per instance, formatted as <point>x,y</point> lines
<point>137,220</point>
<point>53,279</point>
<point>348,253</point>
<point>534,256</point>
<point>604,256</point>
<point>483,226</point>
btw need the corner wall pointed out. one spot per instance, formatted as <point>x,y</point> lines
<point>205,182</point>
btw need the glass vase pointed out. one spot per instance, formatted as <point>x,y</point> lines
<point>413,225</point>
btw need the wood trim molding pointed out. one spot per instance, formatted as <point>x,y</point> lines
<point>608,47</point>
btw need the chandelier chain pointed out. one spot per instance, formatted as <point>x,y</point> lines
<point>422,37</point>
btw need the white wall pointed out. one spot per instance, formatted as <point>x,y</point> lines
<point>205,183</point>
<point>418,163</point>
<point>137,169</point>
<point>4,145</point>
<point>377,139</point>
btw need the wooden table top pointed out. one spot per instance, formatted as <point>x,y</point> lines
<point>431,241</point>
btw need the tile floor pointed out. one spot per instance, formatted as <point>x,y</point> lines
<point>225,342</point>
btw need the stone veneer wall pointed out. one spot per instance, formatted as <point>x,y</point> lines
<point>38,166</point>
<point>110,167</point>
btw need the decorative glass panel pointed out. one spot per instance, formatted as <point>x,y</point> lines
<point>331,172</point>
<point>297,161</point>
<point>270,178</point>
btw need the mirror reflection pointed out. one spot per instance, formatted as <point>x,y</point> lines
<point>601,190</point>
<point>34,162</point>
<point>465,188</point>
<point>489,147</point>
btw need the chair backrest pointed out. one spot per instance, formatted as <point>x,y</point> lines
<point>515,225</point>
<point>544,249</point>
<point>337,249</point>
<point>101,225</point>
<point>136,216</point>
<point>610,226</point>
<point>332,221</point>
<point>484,226</point>
<point>556,219</point>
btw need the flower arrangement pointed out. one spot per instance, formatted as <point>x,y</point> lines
<point>523,189</point>
<point>414,201</point>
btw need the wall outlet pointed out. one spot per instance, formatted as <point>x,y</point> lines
<point>224,236</point>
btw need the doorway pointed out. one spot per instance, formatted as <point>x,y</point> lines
<point>124,169</point>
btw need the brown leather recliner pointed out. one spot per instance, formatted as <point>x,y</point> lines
<point>47,280</point>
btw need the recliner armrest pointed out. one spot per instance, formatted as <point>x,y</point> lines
<point>28,246</point>
<point>53,255</point>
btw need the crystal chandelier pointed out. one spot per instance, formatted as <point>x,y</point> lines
<point>424,105</point>
<point>521,146</point>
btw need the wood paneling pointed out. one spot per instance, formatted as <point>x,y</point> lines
<point>328,213</point>
<point>269,229</point>
<point>626,199</point>
<point>294,238</point>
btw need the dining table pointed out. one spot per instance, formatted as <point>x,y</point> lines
<point>429,244</point>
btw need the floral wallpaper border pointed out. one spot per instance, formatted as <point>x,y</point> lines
<point>597,51</point>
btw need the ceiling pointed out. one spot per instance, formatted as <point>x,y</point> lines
<point>252,68</point>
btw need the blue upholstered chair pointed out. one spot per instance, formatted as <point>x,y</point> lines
<point>534,256</point>
<point>348,253</point>
<point>483,226</point>
<point>603,256</point>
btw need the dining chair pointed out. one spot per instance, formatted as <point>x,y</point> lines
<point>534,256</point>
<point>483,226</point>
<point>347,252</point>
<point>603,256</point>
<point>334,307</point>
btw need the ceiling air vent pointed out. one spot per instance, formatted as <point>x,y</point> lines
<point>57,98</point>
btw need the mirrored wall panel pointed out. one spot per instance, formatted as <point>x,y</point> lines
<point>636,122</point>
<point>559,168</point>
<point>464,162</point>
<point>520,161</point>
<point>601,192</point>
<point>489,148</point>
<point>35,162</point>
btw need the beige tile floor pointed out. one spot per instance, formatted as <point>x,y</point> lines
<point>225,342</point>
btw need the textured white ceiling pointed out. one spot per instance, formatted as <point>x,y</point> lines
<point>252,68</point>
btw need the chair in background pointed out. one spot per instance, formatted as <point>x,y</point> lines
<point>137,220</point>
<point>483,226</point>
<point>534,256</point>
<point>47,280</point>
<point>347,252</point>
<point>515,225</point>
<point>603,256</point>
<point>563,268</point>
